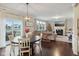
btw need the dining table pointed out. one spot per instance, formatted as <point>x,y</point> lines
<point>33,40</point>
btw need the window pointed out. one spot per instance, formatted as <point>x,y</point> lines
<point>13,28</point>
<point>41,26</point>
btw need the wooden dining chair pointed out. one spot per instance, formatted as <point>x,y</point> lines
<point>37,45</point>
<point>11,45</point>
<point>24,46</point>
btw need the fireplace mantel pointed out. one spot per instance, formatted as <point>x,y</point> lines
<point>61,29</point>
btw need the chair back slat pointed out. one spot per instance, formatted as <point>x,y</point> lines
<point>23,44</point>
<point>10,37</point>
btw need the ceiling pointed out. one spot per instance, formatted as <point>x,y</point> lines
<point>44,11</point>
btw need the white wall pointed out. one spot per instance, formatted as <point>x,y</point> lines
<point>75,37</point>
<point>2,33</point>
<point>69,24</point>
<point>76,30</point>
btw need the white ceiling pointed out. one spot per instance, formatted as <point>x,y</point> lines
<point>43,11</point>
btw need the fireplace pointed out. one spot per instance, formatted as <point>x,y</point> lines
<point>59,31</point>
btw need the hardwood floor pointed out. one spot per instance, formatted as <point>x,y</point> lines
<point>6,51</point>
<point>54,49</point>
<point>2,50</point>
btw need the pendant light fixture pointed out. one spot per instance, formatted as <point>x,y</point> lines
<point>27,16</point>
